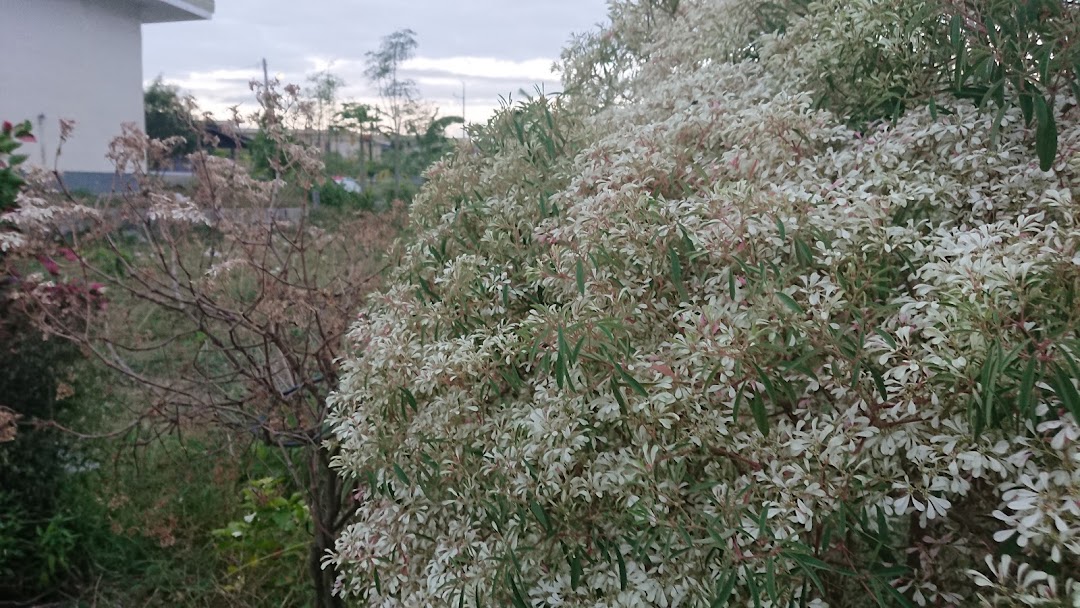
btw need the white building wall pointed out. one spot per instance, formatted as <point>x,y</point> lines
<point>77,59</point>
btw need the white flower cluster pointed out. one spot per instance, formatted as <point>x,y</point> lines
<point>714,346</point>
<point>34,217</point>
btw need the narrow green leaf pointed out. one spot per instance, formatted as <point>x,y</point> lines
<point>575,570</point>
<point>995,128</point>
<point>617,391</point>
<point>580,271</point>
<point>408,396</point>
<point>738,401</point>
<point>519,601</point>
<point>770,580</point>
<point>809,571</point>
<point>954,33</point>
<point>1046,51</point>
<point>622,569</point>
<point>884,336</point>
<point>992,92</point>
<point>1027,106</point>
<point>989,384</point>
<point>724,590</point>
<point>688,243</point>
<point>540,515</point>
<point>802,253</point>
<point>401,474</point>
<point>790,303</point>
<point>880,383</point>
<point>1066,392</point>
<point>1046,136</point>
<point>1027,384</point>
<point>898,598</point>
<point>761,417</point>
<point>781,230</point>
<point>755,594</point>
<point>676,272</point>
<point>769,387</point>
<point>634,384</point>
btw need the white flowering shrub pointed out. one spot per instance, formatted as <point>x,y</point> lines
<point>707,342</point>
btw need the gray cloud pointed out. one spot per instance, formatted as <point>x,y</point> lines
<point>215,60</point>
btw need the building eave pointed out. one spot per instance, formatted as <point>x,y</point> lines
<point>163,11</point>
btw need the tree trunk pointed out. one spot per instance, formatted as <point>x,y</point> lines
<point>324,503</point>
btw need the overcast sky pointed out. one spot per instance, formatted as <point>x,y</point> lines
<point>495,46</point>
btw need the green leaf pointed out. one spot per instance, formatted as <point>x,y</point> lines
<point>879,381</point>
<point>634,384</point>
<point>688,243</point>
<point>954,33</point>
<point>995,129</point>
<point>676,273</point>
<point>803,253</point>
<point>790,303</point>
<point>519,601</point>
<point>886,337</point>
<point>724,590</point>
<point>770,580</point>
<point>575,570</point>
<point>1027,384</point>
<point>809,571</point>
<point>617,391</point>
<point>738,401</point>
<point>780,229</point>
<point>769,387</point>
<point>408,396</point>
<point>540,515</point>
<point>1046,136</point>
<point>1027,106</point>
<point>1065,390</point>
<point>401,474</point>
<point>622,569</point>
<point>754,593</point>
<point>761,417</point>
<point>580,271</point>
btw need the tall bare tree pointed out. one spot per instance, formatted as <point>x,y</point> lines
<point>399,94</point>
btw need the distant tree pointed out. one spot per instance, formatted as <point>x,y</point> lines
<point>431,143</point>
<point>169,115</point>
<point>362,118</point>
<point>399,94</point>
<point>323,90</point>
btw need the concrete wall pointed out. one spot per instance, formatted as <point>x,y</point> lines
<point>77,59</point>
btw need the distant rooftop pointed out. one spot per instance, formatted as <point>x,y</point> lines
<point>159,11</point>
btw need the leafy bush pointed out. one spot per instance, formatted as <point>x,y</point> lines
<point>706,332</point>
<point>335,196</point>
<point>267,547</point>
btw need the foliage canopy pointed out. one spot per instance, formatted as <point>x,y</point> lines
<point>776,306</point>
